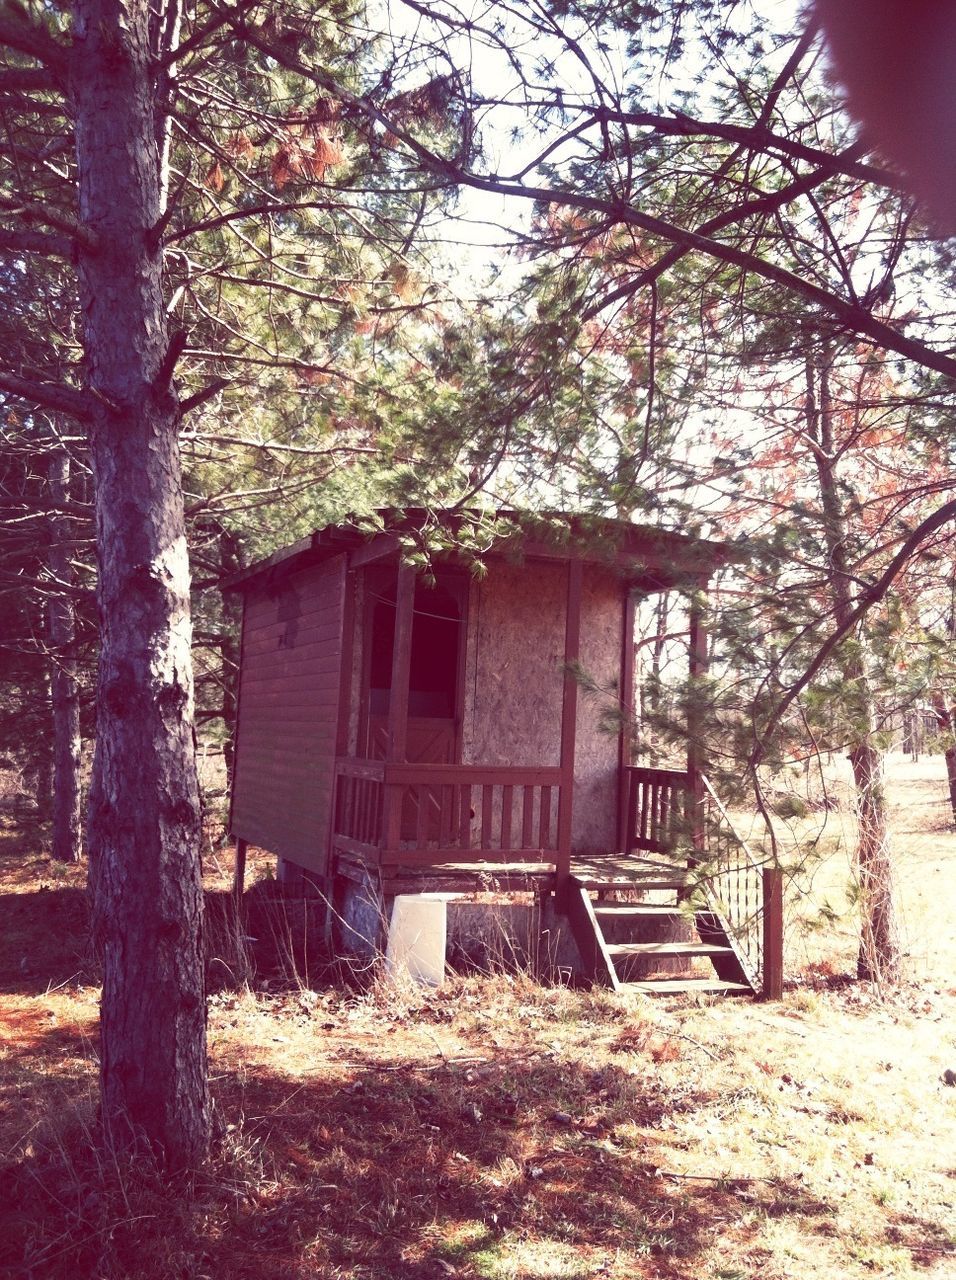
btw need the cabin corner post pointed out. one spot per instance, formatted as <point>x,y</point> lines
<point>239,873</point>
<point>625,749</point>
<point>697,670</point>
<point>398,699</point>
<point>569,708</point>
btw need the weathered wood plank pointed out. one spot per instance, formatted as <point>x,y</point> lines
<point>589,938</point>
<point>353,767</point>
<point>485,860</point>
<point>527,817</point>
<point>569,710</point>
<point>345,844</point>
<point>464,816</point>
<point>477,775</point>
<point>507,804</point>
<point>487,813</point>
<point>544,818</point>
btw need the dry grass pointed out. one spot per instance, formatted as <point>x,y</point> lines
<point>498,1129</point>
<point>924,848</point>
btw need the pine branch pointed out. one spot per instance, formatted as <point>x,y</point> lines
<point>767,203</point>
<point>856,318</point>
<point>850,313</point>
<point>871,596</point>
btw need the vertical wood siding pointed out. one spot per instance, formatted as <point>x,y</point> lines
<point>288,714</point>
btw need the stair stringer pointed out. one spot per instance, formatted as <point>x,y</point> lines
<point>712,927</point>
<point>589,936</point>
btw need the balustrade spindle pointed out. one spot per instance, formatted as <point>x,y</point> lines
<point>507,801</point>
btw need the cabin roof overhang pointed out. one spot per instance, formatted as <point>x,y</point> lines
<point>645,557</point>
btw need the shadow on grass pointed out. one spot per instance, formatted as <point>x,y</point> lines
<point>42,939</point>
<point>520,1166</point>
<point>44,943</point>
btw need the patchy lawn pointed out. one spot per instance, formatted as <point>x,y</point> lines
<point>501,1130</point>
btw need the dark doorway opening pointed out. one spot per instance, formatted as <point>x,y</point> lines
<point>434,693</point>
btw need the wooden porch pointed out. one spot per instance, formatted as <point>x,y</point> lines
<point>468,828</point>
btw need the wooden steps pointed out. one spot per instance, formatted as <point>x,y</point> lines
<point>687,949</point>
<point>639,874</point>
<point>688,986</point>
<point>623,944</point>
<point>632,910</point>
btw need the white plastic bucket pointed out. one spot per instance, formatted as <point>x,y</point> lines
<point>416,938</point>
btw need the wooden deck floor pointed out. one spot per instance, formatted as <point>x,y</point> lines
<point>613,871</point>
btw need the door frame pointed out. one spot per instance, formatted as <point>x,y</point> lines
<point>379,578</point>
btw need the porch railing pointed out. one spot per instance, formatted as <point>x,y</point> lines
<point>667,815</point>
<point>358,807</point>
<point>656,810</point>
<point>418,814</point>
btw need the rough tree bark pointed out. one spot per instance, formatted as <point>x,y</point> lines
<point>144,818</point>
<point>945,713</point>
<point>64,692</point>
<point>880,954</point>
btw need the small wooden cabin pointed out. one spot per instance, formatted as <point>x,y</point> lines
<point>402,730</point>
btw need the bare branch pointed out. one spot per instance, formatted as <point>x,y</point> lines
<point>25,80</point>
<point>57,396</point>
<point>37,242</point>
<point>202,34</point>
<point>253,211</point>
<point>33,212</point>
<point>871,596</point>
<point>34,41</point>
<point>200,397</point>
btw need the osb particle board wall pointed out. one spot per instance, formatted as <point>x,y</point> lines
<point>514,682</point>
<point>594,828</point>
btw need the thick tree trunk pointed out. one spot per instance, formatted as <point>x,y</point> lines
<point>946,719</point>
<point>880,955</point>
<point>64,693</point>
<point>43,770</point>
<point>144,823</point>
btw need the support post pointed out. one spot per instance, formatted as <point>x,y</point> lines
<point>697,669</point>
<point>398,699</point>
<point>569,710</point>
<point>772,933</point>
<point>345,670</point>
<point>239,876</point>
<point>626,737</point>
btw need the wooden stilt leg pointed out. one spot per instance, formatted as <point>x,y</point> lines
<point>239,880</point>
